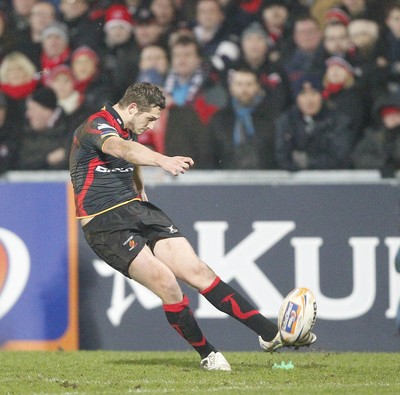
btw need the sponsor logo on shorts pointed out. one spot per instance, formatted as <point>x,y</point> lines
<point>290,317</point>
<point>172,229</point>
<point>130,243</point>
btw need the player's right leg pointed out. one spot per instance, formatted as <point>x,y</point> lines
<point>149,271</point>
<point>179,256</point>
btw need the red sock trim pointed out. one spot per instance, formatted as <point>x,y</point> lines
<point>212,286</point>
<point>176,307</point>
<point>200,343</point>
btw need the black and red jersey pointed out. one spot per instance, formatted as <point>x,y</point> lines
<point>101,181</point>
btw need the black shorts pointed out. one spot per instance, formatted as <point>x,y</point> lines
<point>118,235</point>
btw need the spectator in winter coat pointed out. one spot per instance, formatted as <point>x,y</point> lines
<point>341,93</point>
<point>211,32</point>
<point>380,147</point>
<point>45,141</point>
<point>275,20</point>
<point>335,42</point>
<point>19,16</point>
<point>391,47</point>
<point>368,59</point>
<point>153,65</point>
<point>166,15</point>
<point>7,39</point>
<point>69,99</point>
<point>191,100</point>
<point>147,31</point>
<point>55,47</point>
<point>310,136</point>
<point>90,81</point>
<point>241,136</point>
<point>153,68</point>
<point>299,55</point>
<point>9,138</point>
<point>42,15</point>
<point>255,54</point>
<point>18,79</point>
<point>122,54</point>
<point>84,28</point>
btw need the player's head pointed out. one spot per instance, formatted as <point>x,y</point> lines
<point>141,106</point>
<point>145,95</point>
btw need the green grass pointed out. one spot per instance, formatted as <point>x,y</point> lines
<point>109,372</point>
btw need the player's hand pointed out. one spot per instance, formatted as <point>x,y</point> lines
<point>177,164</point>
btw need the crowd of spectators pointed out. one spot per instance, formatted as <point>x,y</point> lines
<point>251,84</point>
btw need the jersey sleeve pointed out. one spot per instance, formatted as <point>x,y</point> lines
<point>97,132</point>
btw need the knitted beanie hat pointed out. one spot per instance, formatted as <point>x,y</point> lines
<point>46,97</point>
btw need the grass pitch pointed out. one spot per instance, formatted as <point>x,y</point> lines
<point>108,372</point>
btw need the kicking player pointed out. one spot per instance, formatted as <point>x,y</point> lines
<point>137,238</point>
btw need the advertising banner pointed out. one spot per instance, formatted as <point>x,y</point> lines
<point>338,240</point>
<point>264,240</point>
<point>38,267</point>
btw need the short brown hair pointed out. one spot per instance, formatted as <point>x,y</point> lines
<point>145,95</point>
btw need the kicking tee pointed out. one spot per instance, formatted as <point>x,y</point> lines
<point>101,182</point>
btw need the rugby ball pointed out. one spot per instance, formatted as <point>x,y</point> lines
<point>297,315</point>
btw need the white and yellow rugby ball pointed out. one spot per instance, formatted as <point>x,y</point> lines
<point>297,315</point>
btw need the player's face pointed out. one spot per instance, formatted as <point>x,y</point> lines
<point>140,121</point>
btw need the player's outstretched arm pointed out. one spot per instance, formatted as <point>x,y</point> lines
<point>138,154</point>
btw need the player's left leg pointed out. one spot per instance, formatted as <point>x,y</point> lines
<point>180,257</point>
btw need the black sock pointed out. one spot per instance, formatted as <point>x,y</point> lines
<point>182,320</point>
<point>229,301</point>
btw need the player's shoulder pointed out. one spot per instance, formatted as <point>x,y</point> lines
<point>101,123</point>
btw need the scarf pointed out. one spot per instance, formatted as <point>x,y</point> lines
<point>49,63</point>
<point>71,103</point>
<point>332,89</point>
<point>243,119</point>
<point>193,85</point>
<point>18,92</point>
<point>81,86</point>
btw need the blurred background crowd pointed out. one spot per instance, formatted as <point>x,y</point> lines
<point>253,84</point>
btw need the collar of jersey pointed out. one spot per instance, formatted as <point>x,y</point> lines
<point>109,108</point>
